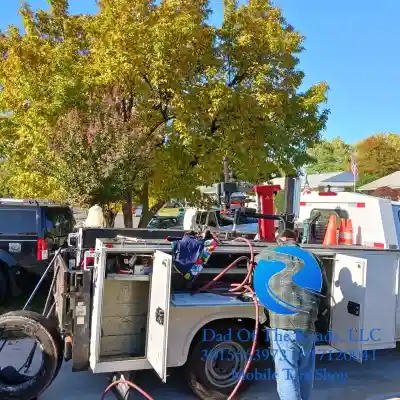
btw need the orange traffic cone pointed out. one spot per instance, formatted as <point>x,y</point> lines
<point>331,232</point>
<point>348,233</point>
<point>342,229</point>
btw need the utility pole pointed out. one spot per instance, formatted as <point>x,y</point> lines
<point>226,170</point>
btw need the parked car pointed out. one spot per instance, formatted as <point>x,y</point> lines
<point>161,222</point>
<point>213,219</point>
<point>30,233</point>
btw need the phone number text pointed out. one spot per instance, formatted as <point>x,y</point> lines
<point>268,354</point>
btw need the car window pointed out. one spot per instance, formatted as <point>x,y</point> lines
<point>212,220</point>
<point>18,221</point>
<point>163,223</point>
<point>59,221</point>
<point>223,221</point>
<point>246,220</point>
<point>201,217</point>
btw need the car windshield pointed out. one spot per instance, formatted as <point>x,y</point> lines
<point>18,221</point>
<point>164,223</point>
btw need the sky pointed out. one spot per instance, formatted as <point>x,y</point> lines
<point>350,44</point>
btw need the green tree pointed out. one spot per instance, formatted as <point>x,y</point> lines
<point>330,156</point>
<point>191,92</point>
<point>378,156</point>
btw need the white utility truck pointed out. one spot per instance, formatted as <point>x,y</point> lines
<point>121,307</point>
<point>148,319</point>
<point>376,221</point>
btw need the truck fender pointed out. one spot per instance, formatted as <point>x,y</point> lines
<point>218,316</point>
<point>7,259</point>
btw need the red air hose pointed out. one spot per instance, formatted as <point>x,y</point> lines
<point>130,384</point>
<point>229,290</point>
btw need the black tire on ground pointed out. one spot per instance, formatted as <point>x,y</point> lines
<point>45,332</point>
<point>215,379</point>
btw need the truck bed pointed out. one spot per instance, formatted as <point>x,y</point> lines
<point>89,235</point>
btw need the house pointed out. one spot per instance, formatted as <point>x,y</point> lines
<point>391,181</point>
<point>336,181</point>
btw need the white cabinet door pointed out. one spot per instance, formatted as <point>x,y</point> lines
<point>97,309</point>
<point>157,334</point>
<point>348,294</point>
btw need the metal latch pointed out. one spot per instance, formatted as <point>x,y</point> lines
<point>160,316</point>
<point>353,308</point>
<point>92,255</point>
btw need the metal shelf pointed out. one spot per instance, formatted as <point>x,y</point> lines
<point>123,277</point>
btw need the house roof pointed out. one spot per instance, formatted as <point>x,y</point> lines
<point>342,179</point>
<point>392,181</point>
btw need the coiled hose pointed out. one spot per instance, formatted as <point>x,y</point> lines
<point>224,289</point>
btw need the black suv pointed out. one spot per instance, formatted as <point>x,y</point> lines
<point>30,232</point>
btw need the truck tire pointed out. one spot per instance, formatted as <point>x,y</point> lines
<point>216,379</point>
<point>45,332</point>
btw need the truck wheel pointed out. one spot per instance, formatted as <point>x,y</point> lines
<point>215,366</point>
<point>14,385</point>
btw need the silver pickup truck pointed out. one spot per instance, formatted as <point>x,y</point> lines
<point>213,220</point>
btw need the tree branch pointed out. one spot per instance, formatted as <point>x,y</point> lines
<point>237,79</point>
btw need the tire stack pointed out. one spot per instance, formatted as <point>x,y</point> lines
<point>50,342</point>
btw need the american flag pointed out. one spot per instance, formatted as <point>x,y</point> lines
<point>354,166</point>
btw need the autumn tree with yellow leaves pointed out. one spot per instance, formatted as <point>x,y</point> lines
<point>144,99</point>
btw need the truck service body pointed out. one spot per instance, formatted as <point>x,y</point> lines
<point>120,323</point>
<point>121,306</point>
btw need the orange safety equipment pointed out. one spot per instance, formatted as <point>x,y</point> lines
<point>331,232</point>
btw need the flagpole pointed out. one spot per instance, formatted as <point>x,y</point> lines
<point>354,170</point>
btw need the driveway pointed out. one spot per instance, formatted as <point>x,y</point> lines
<point>377,379</point>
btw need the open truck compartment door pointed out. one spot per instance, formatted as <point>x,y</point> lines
<point>157,333</point>
<point>129,325</point>
<point>97,307</point>
<point>348,300</point>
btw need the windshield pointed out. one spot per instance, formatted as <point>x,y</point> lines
<point>164,223</point>
<point>18,221</point>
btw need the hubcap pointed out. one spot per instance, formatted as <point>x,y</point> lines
<point>225,363</point>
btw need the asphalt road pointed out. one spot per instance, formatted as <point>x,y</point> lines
<point>378,378</point>
<point>373,380</point>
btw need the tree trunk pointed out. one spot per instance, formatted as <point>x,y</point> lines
<point>128,217</point>
<point>147,212</point>
<point>144,199</point>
